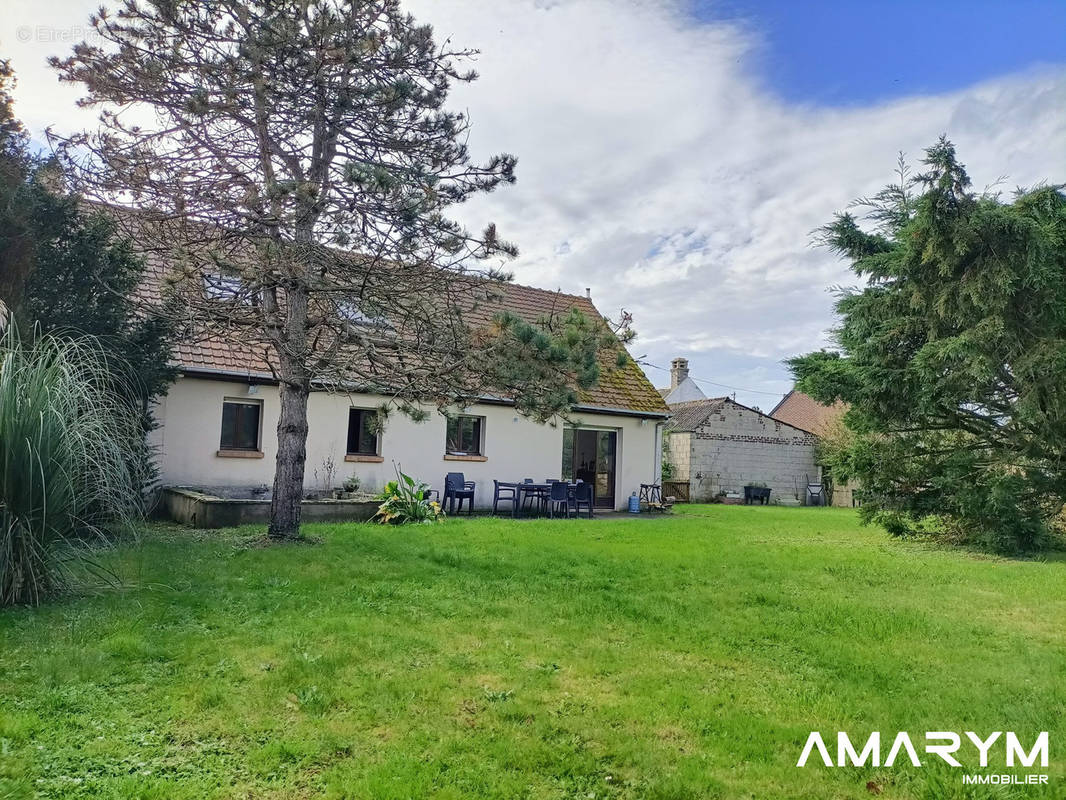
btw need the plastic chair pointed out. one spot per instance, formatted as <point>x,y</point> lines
<point>559,495</point>
<point>456,487</point>
<point>529,496</point>
<point>508,493</point>
<point>582,498</point>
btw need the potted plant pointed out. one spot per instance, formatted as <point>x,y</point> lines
<point>351,486</point>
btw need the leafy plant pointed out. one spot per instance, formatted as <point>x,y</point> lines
<point>352,483</point>
<point>667,465</point>
<point>405,501</point>
<point>69,450</point>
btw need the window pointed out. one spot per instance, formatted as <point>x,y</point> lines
<point>228,288</point>
<point>362,435</point>
<point>240,425</point>
<point>222,287</point>
<point>464,436</point>
<point>568,453</point>
<point>355,316</point>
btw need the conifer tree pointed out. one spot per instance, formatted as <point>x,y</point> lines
<point>952,356</point>
<point>66,270</point>
<point>295,162</point>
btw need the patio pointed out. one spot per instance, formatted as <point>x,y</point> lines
<point>551,497</point>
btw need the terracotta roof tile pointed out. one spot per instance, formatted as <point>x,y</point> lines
<point>625,388</point>
<point>804,412</point>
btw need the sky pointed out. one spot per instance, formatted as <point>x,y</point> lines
<point>675,155</point>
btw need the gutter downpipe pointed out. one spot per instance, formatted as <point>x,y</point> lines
<point>657,467</point>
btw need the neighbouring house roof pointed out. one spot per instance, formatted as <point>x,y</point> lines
<point>684,392</point>
<point>688,417</point>
<point>691,415</point>
<point>620,389</point>
<point>802,411</point>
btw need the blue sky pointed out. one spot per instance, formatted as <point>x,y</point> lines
<point>849,52</point>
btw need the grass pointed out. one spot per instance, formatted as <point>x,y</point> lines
<point>681,657</point>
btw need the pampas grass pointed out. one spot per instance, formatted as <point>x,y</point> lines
<point>70,454</point>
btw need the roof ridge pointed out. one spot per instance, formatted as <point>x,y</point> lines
<point>700,400</point>
<point>558,291</point>
<point>139,212</point>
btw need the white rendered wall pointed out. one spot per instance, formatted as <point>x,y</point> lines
<point>190,418</point>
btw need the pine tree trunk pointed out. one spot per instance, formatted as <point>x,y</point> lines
<point>292,458</point>
<point>295,387</point>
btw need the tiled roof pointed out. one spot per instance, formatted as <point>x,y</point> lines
<point>619,388</point>
<point>625,388</point>
<point>802,411</point>
<point>689,416</point>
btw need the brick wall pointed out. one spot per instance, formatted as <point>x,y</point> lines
<point>738,446</point>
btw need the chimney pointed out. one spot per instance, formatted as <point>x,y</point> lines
<point>588,292</point>
<point>678,371</point>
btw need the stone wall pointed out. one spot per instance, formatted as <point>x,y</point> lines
<point>844,495</point>
<point>677,451</point>
<point>738,446</point>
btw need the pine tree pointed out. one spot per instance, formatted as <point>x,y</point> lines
<point>296,166</point>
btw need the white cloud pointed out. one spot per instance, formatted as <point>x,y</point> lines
<point>655,168</point>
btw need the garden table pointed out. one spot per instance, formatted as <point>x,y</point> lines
<point>537,490</point>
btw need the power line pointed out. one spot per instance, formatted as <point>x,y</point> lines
<point>715,383</point>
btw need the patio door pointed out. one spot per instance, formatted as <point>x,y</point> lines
<point>590,455</point>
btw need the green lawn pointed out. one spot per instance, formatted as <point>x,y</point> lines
<point>681,657</point>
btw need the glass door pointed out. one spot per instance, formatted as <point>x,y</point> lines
<point>606,444</point>
<point>590,456</point>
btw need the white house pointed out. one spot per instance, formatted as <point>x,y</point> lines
<point>217,428</point>
<point>682,389</point>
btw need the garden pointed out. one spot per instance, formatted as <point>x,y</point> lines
<point>670,657</point>
<point>683,655</point>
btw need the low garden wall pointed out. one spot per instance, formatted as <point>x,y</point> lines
<point>197,508</point>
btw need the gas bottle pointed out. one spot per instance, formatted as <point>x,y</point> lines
<point>634,504</point>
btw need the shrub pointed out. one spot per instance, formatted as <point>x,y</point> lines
<point>69,450</point>
<point>351,483</point>
<point>405,501</point>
